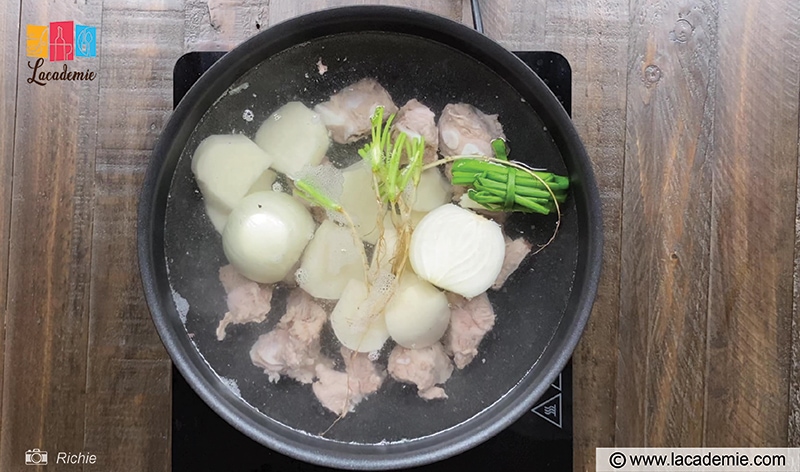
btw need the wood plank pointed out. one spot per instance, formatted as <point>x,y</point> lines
<point>665,223</point>
<point>793,439</point>
<point>219,25</point>
<point>793,433</point>
<point>9,77</point>
<point>518,25</point>
<point>129,373</point>
<point>49,255</point>
<point>592,35</point>
<point>597,47</point>
<point>281,10</point>
<point>752,248</point>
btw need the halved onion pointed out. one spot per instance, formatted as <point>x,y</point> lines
<point>457,250</point>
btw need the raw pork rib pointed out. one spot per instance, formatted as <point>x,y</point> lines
<point>348,114</point>
<point>470,320</point>
<point>425,368</point>
<point>516,251</point>
<point>293,347</point>
<point>340,392</point>
<point>248,302</point>
<point>415,119</point>
<point>465,130</point>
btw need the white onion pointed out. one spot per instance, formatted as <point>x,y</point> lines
<point>418,314</point>
<point>266,234</point>
<point>457,250</point>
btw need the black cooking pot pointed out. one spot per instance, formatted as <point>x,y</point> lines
<point>541,310</point>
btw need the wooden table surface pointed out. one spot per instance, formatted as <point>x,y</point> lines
<point>689,112</point>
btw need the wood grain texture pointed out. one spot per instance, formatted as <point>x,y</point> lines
<point>219,25</point>
<point>9,35</point>
<point>592,35</point>
<point>793,439</point>
<point>129,375</point>
<point>517,24</point>
<point>594,38</point>
<point>281,10</point>
<point>665,223</point>
<point>755,168</point>
<point>49,257</point>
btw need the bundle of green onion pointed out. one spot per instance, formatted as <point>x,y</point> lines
<point>500,185</point>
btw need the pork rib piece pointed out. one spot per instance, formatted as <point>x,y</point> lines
<point>348,113</point>
<point>416,120</point>
<point>470,320</point>
<point>426,368</point>
<point>340,392</point>
<point>516,251</point>
<point>465,130</point>
<point>293,347</point>
<point>248,302</point>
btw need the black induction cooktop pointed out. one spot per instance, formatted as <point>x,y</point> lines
<point>540,440</point>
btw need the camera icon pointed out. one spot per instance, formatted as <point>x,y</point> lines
<point>35,457</point>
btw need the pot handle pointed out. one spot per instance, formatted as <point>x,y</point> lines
<point>477,19</point>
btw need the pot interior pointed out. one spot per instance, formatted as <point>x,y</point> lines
<point>530,307</point>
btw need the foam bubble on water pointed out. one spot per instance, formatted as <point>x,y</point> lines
<point>374,355</point>
<point>181,305</point>
<point>248,115</point>
<point>231,384</point>
<point>301,277</point>
<point>277,186</point>
<point>325,178</point>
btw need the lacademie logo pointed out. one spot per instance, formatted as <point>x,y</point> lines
<point>60,41</point>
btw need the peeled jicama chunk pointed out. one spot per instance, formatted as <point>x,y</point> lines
<point>264,182</point>
<point>218,217</point>
<point>266,234</point>
<point>355,325</point>
<point>433,191</point>
<point>226,166</point>
<point>359,201</point>
<point>418,314</point>
<point>330,261</point>
<point>457,250</point>
<point>295,137</point>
